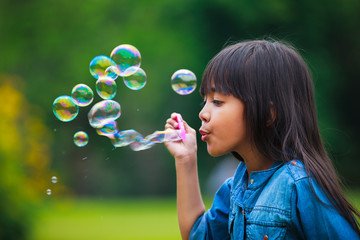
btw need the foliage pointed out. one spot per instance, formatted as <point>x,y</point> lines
<point>25,158</point>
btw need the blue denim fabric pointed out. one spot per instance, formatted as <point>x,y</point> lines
<point>278,203</point>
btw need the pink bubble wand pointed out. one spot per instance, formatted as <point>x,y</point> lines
<point>181,127</point>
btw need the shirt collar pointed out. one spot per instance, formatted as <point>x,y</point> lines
<point>257,178</point>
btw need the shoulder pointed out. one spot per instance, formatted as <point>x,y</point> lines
<point>294,170</point>
<point>303,185</point>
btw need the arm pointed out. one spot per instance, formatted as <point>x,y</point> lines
<point>189,202</point>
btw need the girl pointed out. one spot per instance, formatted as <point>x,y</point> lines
<point>259,105</point>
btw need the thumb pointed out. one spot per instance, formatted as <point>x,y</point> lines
<point>186,126</point>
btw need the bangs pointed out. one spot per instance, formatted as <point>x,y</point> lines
<point>225,73</point>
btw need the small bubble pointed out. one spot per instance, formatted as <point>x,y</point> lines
<point>81,138</point>
<point>48,191</point>
<point>106,87</point>
<point>99,65</point>
<point>54,179</point>
<point>125,56</point>
<point>84,158</point>
<point>108,129</point>
<point>82,94</point>
<point>134,78</point>
<point>65,108</point>
<point>183,82</point>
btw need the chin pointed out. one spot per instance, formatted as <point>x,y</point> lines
<point>215,152</point>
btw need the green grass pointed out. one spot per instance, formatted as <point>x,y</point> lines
<point>107,220</point>
<point>94,219</point>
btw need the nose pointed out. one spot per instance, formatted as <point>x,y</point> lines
<point>204,114</point>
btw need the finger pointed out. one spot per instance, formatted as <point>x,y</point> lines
<point>172,122</point>
<point>174,116</point>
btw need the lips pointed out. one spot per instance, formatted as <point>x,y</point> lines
<point>204,134</point>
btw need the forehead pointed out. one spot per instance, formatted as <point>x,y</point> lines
<point>212,84</point>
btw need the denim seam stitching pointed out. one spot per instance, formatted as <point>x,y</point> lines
<point>270,210</point>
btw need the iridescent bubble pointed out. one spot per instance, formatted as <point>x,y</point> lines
<point>183,82</point>
<point>106,87</point>
<point>141,144</point>
<point>137,142</point>
<point>81,138</point>
<point>48,191</point>
<point>125,56</point>
<point>54,179</point>
<point>104,112</point>
<point>164,136</point>
<point>101,66</point>
<point>82,94</point>
<point>65,108</point>
<point>134,78</point>
<point>108,129</point>
<point>124,138</point>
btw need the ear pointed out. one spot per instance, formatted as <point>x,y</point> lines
<point>273,115</point>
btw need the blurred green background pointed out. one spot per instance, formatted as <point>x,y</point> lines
<point>107,193</point>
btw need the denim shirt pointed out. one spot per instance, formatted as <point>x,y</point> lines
<point>277,203</point>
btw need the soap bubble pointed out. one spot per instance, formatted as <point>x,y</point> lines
<point>124,138</point>
<point>54,179</point>
<point>82,94</point>
<point>125,56</point>
<point>104,112</point>
<point>48,191</point>
<point>65,108</point>
<point>106,87</point>
<point>137,142</point>
<point>108,129</point>
<point>134,78</point>
<point>81,138</point>
<point>101,66</point>
<point>183,82</point>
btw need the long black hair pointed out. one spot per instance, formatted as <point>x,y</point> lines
<point>275,84</point>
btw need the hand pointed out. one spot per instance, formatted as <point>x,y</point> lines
<point>182,151</point>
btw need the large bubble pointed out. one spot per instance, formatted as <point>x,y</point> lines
<point>102,66</point>
<point>65,108</point>
<point>106,87</point>
<point>125,56</point>
<point>183,82</point>
<point>134,78</point>
<point>104,112</point>
<point>82,94</point>
<point>81,138</point>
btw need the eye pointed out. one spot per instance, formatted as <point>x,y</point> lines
<point>217,102</point>
<point>202,104</point>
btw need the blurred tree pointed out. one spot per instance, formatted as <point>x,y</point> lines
<point>24,159</point>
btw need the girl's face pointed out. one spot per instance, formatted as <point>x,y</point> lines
<point>223,124</point>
